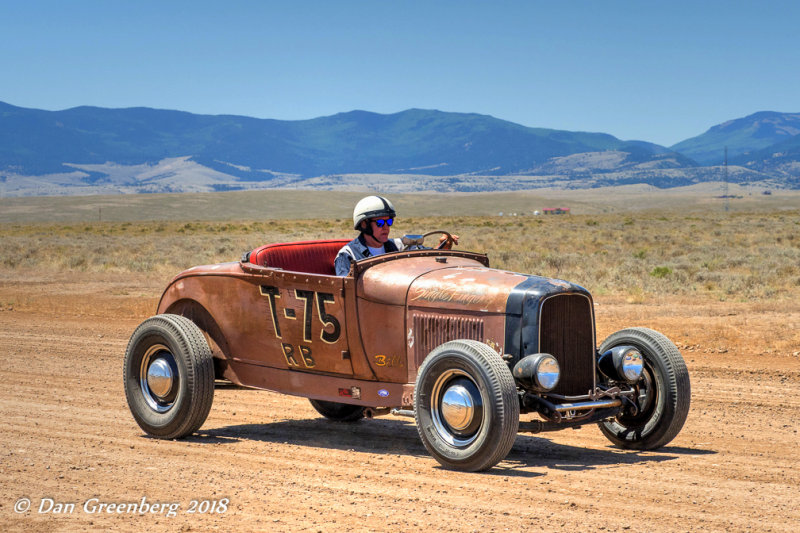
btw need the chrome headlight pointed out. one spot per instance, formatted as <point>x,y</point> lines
<point>539,371</point>
<point>623,363</point>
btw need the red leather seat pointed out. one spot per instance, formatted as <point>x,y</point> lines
<point>314,257</point>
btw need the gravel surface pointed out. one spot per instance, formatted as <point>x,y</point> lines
<point>263,461</point>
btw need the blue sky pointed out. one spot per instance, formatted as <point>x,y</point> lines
<point>655,71</point>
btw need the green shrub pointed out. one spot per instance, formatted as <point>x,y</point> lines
<point>661,272</point>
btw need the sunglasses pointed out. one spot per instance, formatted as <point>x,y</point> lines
<point>380,222</point>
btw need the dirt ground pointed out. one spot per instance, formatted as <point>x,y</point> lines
<point>268,462</point>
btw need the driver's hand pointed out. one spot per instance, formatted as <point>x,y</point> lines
<point>447,246</point>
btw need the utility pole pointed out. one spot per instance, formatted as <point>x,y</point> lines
<point>725,195</point>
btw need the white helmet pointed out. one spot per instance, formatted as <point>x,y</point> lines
<point>372,207</point>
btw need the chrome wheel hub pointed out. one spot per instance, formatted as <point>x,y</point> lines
<point>158,378</point>
<point>456,408</point>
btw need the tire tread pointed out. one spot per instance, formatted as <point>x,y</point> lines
<point>677,379</point>
<point>503,387</point>
<point>199,372</point>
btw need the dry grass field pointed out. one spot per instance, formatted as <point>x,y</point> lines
<point>690,246</point>
<point>724,285</point>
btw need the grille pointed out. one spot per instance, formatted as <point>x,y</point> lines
<point>566,331</point>
<point>432,329</point>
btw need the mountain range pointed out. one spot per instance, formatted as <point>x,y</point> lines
<point>87,150</point>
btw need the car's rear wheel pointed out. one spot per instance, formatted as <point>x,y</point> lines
<point>340,412</point>
<point>466,406</point>
<point>663,392</point>
<point>169,376</point>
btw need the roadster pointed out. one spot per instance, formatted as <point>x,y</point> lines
<point>433,334</point>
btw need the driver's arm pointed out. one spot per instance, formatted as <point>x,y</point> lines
<point>342,264</point>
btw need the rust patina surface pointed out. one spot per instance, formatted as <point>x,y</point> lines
<point>463,348</point>
<point>324,337</point>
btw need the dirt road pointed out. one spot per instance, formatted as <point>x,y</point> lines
<point>269,462</point>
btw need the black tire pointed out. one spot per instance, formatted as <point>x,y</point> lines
<point>169,376</point>
<point>340,412</point>
<point>664,392</point>
<point>461,437</point>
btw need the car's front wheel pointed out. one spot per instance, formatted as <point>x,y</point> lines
<point>169,376</point>
<point>663,393</point>
<point>466,406</point>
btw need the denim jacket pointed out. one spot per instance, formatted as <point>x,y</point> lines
<point>357,249</point>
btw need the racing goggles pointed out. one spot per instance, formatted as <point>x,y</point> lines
<point>380,222</point>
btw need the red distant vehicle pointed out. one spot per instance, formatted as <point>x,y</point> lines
<point>434,334</point>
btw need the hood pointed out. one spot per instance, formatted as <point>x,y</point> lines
<point>389,282</point>
<point>467,288</point>
<point>459,284</point>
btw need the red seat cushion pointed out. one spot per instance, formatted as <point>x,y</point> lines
<point>314,257</point>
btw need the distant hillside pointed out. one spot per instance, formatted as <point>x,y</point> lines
<point>748,134</point>
<point>90,150</point>
<point>781,159</point>
<point>35,142</point>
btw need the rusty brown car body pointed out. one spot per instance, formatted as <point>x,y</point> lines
<point>433,334</point>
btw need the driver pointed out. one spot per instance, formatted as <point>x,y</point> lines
<point>373,217</point>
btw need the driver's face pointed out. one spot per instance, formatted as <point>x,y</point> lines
<point>381,234</point>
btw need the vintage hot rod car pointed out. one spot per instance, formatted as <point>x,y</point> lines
<point>434,334</point>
